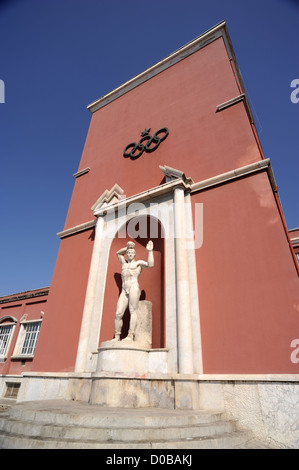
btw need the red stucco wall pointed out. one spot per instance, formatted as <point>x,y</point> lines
<point>57,346</point>
<point>247,280</point>
<point>201,142</point>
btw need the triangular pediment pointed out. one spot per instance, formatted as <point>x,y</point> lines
<point>173,174</point>
<point>108,197</point>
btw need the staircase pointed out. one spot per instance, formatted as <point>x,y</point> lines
<point>60,424</point>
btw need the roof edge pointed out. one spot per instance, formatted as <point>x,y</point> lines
<point>220,30</point>
<point>33,293</point>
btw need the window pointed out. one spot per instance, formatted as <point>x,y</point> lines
<point>12,389</point>
<point>27,339</point>
<point>5,337</point>
<point>30,338</point>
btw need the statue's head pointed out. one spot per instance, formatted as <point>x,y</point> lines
<point>130,251</point>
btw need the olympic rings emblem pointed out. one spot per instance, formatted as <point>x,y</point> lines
<point>147,143</point>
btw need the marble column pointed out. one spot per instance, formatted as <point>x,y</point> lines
<point>88,340</point>
<point>185,347</point>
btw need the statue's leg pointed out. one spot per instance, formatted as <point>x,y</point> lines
<point>134,296</point>
<point>121,306</point>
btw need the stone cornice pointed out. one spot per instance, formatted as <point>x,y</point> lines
<point>180,181</point>
<point>220,30</point>
<point>238,99</point>
<point>237,173</point>
<point>77,228</point>
<point>23,296</point>
<point>143,197</point>
<point>81,173</point>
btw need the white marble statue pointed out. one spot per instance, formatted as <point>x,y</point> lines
<point>130,293</point>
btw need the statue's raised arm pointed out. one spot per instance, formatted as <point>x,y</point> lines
<point>150,257</point>
<point>120,254</point>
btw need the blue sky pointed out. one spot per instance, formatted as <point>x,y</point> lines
<point>58,56</point>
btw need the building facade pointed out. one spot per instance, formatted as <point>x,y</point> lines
<point>171,156</point>
<point>21,317</point>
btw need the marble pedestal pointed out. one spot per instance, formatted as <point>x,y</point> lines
<point>133,357</point>
<point>122,367</point>
<point>128,357</point>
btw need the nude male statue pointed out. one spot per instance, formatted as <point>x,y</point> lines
<point>130,293</point>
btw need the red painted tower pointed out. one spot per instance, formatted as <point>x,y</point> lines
<point>173,156</point>
<point>244,273</point>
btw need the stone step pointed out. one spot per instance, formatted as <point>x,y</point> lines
<point>61,412</point>
<point>119,434</point>
<point>74,425</point>
<point>225,441</point>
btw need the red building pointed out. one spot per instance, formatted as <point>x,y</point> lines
<point>224,301</point>
<point>294,236</point>
<point>21,317</point>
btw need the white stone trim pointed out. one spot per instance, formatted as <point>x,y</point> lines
<point>157,202</point>
<point>237,173</point>
<point>81,173</point>
<point>108,197</point>
<point>185,343</point>
<point>174,174</point>
<point>193,288</point>
<point>92,312</point>
<point>218,31</point>
<point>231,102</point>
<point>77,228</point>
<point>159,191</point>
<point>8,318</point>
<point>169,376</point>
<point>143,197</point>
<point>181,291</point>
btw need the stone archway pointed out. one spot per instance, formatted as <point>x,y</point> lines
<point>142,228</point>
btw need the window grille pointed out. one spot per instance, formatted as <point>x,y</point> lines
<point>5,334</point>
<point>30,338</point>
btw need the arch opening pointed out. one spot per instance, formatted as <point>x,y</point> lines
<point>140,229</point>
